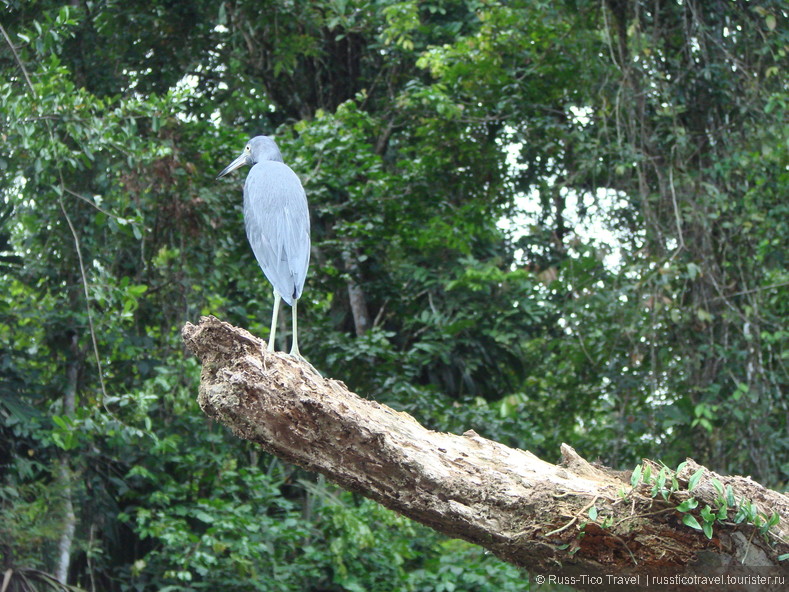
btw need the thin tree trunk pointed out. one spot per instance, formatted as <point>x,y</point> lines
<point>361,316</point>
<point>543,517</point>
<point>63,470</point>
<point>69,521</point>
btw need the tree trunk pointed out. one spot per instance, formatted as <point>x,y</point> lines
<point>361,317</point>
<point>63,470</point>
<point>69,520</point>
<point>572,520</point>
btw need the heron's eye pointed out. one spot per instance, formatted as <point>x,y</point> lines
<point>247,148</point>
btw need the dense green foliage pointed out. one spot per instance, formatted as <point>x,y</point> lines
<point>422,131</point>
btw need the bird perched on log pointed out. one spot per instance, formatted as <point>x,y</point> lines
<point>277,222</point>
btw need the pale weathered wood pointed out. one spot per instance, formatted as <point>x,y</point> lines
<point>526,511</point>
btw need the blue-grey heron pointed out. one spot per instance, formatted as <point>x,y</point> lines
<point>277,223</point>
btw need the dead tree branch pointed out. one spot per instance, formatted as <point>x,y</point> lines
<point>531,513</point>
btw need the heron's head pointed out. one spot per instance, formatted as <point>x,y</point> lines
<point>257,149</point>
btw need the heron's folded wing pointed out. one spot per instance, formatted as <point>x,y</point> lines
<point>277,224</point>
<point>297,243</point>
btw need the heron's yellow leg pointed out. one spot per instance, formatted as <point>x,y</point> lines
<point>273,333</point>
<point>294,350</point>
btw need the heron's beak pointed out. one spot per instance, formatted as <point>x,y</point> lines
<point>236,164</point>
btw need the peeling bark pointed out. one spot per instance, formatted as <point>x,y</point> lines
<point>524,510</point>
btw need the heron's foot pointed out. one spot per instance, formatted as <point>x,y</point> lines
<point>296,355</point>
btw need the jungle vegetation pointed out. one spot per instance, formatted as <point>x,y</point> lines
<point>547,221</point>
